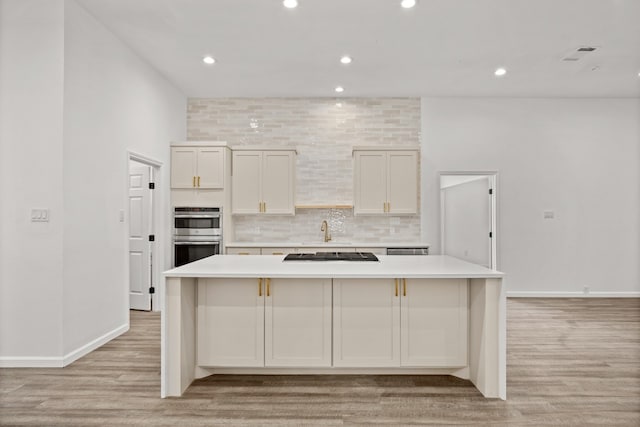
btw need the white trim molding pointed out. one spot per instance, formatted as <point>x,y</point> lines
<point>61,362</point>
<point>89,347</point>
<point>527,294</point>
<point>31,362</point>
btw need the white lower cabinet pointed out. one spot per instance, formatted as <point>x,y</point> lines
<point>264,322</point>
<point>433,322</point>
<point>243,251</point>
<point>362,323</point>
<point>298,323</point>
<point>366,323</point>
<point>230,323</point>
<point>392,323</point>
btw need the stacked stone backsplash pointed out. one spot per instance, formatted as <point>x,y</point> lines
<point>324,132</point>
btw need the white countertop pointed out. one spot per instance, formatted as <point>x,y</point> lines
<point>323,244</point>
<point>273,266</point>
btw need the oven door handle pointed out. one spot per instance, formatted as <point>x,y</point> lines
<point>196,243</point>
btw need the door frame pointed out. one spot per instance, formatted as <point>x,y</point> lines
<point>159,252</point>
<point>493,178</point>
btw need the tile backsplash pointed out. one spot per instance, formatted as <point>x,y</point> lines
<point>324,132</point>
<point>344,227</point>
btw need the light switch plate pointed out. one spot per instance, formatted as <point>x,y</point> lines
<point>39,215</point>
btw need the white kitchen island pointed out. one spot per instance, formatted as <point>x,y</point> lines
<point>245,314</point>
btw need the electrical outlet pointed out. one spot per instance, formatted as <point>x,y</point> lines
<point>39,215</point>
<point>585,290</point>
<point>549,214</point>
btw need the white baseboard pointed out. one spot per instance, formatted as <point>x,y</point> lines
<point>31,362</point>
<point>89,347</point>
<point>516,294</point>
<point>60,362</point>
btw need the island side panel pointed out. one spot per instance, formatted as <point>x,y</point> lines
<point>179,318</point>
<point>487,336</point>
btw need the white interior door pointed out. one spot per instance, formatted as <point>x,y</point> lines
<point>139,231</point>
<point>467,218</point>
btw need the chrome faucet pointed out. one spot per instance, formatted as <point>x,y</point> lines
<point>325,227</point>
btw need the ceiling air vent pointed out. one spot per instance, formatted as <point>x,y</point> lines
<point>578,54</point>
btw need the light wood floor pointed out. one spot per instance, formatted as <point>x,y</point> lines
<point>570,362</point>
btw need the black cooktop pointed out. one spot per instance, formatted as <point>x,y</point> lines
<point>333,256</point>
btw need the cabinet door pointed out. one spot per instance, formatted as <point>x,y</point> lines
<point>230,323</point>
<point>211,167</point>
<point>278,178</point>
<point>366,323</point>
<point>370,182</point>
<point>434,323</point>
<point>183,167</point>
<point>402,182</point>
<point>278,251</point>
<point>298,323</point>
<point>245,191</point>
<point>243,251</point>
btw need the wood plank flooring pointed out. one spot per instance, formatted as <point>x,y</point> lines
<point>572,362</point>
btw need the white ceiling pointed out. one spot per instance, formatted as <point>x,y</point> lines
<point>439,48</point>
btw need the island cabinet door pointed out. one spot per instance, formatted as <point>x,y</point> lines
<point>366,323</point>
<point>230,322</point>
<point>434,322</point>
<point>298,323</point>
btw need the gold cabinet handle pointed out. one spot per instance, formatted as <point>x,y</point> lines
<point>194,181</point>
<point>388,206</point>
<point>268,287</point>
<point>259,287</point>
<point>243,253</point>
<point>404,287</point>
<point>264,207</point>
<point>277,253</point>
<point>396,281</point>
<point>198,181</point>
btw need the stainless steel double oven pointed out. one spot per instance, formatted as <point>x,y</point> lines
<point>197,233</point>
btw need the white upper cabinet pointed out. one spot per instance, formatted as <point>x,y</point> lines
<point>246,197</point>
<point>263,182</point>
<point>197,167</point>
<point>385,182</point>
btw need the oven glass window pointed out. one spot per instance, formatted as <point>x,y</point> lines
<point>197,222</point>
<point>185,254</point>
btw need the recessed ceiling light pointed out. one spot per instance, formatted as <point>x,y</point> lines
<point>290,4</point>
<point>208,60</point>
<point>408,4</point>
<point>500,72</point>
<point>346,59</point>
<point>339,89</point>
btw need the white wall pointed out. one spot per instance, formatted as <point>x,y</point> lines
<point>74,99</point>
<point>577,157</point>
<point>114,102</point>
<point>31,138</point>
